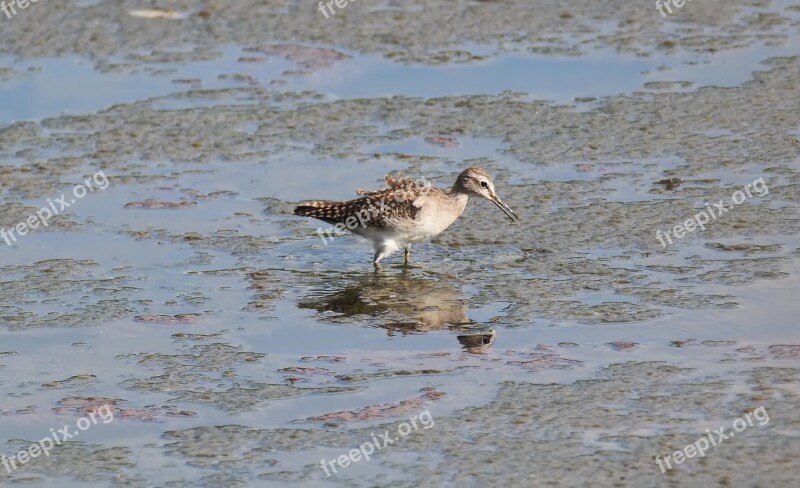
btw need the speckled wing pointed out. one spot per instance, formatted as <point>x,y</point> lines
<point>399,183</point>
<point>386,208</point>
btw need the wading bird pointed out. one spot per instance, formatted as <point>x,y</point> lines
<point>406,212</point>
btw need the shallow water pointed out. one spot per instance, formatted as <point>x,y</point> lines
<point>71,85</point>
<point>229,311</point>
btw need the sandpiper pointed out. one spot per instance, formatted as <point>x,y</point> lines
<point>406,212</point>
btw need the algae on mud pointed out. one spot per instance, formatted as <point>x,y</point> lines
<point>213,323</point>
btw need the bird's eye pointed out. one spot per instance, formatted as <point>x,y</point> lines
<point>484,184</point>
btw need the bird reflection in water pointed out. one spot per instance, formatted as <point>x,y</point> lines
<point>401,303</point>
<point>478,343</point>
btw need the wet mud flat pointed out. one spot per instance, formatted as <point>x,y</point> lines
<point>237,348</point>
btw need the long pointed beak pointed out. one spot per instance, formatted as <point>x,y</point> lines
<point>505,208</point>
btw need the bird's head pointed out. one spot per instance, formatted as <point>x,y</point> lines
<point>477,183</point>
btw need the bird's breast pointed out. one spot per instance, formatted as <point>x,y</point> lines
<point>437,214</point>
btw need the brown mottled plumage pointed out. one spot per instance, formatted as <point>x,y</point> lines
<point>406,212</point>
<point>383,206</point>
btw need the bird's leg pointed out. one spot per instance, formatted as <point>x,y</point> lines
<point>407,255</point>
<point>382,250</point>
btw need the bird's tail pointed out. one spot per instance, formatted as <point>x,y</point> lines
<point>319,210</point>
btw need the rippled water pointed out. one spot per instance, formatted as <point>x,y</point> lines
<point>285,327</point>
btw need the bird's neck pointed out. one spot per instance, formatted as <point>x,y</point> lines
<point>458,200</point>
<point>458,189</point>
